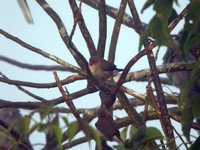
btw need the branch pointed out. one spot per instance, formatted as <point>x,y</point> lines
<point>102,28</point>
<point>115,33</point>
<point>26,91</point>
<point>138,24</point>
<point>33,105</point>
<point>32,67</point>
<point>128,67</point>
<point>165,120</point>
<point>179,18</point>
<point>43,53</point>
<point>68,80</point>
<point>132,76</point>
<point>112,12</point>
<point>85,32</point>
<point>66,98</point>
<point>81,61</point>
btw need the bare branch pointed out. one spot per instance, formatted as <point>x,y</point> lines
<point>179,18</point>
<point>85,32</point>
<point>116,30</point>
<point>26,91</point>
<point>43,53</point>
<point>112,12</point>
<point>66,98</point>
<point>102,28</point>
<point>64,35</point>
<point>68,80</point>
<point>32,67</point>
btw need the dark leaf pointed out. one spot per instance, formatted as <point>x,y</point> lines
<point>160,32</point>
<point>163,9</point>
<point>187,118</point>
<point>57,132</point>
<point>147,5</point>
<point>195,145</point>
<point>196,106</point>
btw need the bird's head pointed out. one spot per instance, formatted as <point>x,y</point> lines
<point>94,60</point>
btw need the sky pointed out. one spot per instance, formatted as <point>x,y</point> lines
<point>44,35</point>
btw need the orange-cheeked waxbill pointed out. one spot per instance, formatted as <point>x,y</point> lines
<point>101,68</point>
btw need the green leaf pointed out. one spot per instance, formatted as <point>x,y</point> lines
<point>140,134</point>
<point>42,127</point>
<point>72,130</point>
<point>153,133</point>
<point>91,133</point>
<point>24,127</point>
<point>193,13</point>
<point>143,37</point>
<point>189,84</point>
<point>163,9</point>
<point>124,133</point>
<point>191,41</point>
<point>159,30</point>
<point>147,4</point>
<point>133,131</point>
<point>121,147</point>
<point>33,128</point>
<point>195,145</point>
<point>187,118</point>
<point>44,111</point>
<point>196,106</point>
<point>65,120</point>
<point>58,133</point>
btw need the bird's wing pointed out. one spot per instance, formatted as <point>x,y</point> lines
<point>26,11</point>
<point>109,66</point>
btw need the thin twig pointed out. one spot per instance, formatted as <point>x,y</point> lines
<point>68,80</point>
<point>85,32</point>
<point>43,53</point>
<point>66,97</point>
<point>179,18</point>
<point>25,91</point>
<point>80,59</point>
<point>32,67</point>
<point>112,12</point>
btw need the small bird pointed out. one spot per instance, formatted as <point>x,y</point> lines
<point>101,68</point>
<point>106,125</point>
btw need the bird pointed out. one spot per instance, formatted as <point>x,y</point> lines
<point>26,11</point>
<point>101,68</point>
<point>107,126</point>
